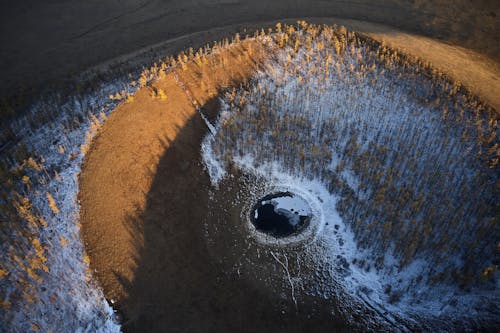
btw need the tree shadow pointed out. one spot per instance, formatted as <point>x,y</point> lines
<point>177,285</point>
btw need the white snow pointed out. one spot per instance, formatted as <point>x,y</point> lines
<point>67,298</point>
<point>291,206</point>
<point>385,110</point>
<point>212,164</point>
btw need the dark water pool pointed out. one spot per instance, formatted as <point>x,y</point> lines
<point>281,214</point>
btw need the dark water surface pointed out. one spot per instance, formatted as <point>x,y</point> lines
<point>268,217</point>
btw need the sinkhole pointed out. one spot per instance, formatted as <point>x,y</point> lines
<point>281,214</point>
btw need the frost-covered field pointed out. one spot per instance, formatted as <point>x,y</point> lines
<point>403,162</point>
<point>47,284</point>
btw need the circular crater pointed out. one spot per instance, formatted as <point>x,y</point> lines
<point>139,236</point>
<point>333,120</point>
<point>272,213</point>
<point>281,214</point>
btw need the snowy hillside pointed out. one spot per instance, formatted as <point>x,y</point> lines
<point>404,162</point>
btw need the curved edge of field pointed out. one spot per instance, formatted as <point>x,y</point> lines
<point>123,159</point>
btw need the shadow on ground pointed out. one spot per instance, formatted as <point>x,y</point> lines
<point>178,286</point>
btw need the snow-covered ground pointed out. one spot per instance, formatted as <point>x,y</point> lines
<point>65,298</point>
<point>338,126</point>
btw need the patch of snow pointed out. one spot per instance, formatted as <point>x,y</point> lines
<point>214,167</point>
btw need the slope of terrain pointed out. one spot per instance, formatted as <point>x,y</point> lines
<point>45,45</point>
<point>44,42</point>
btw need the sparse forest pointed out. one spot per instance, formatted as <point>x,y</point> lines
<point>45,278</point>
<point>412,157</point>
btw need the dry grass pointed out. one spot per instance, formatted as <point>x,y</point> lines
<point>122,160</point>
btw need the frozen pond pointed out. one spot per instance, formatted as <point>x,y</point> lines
<point>281,214</point>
